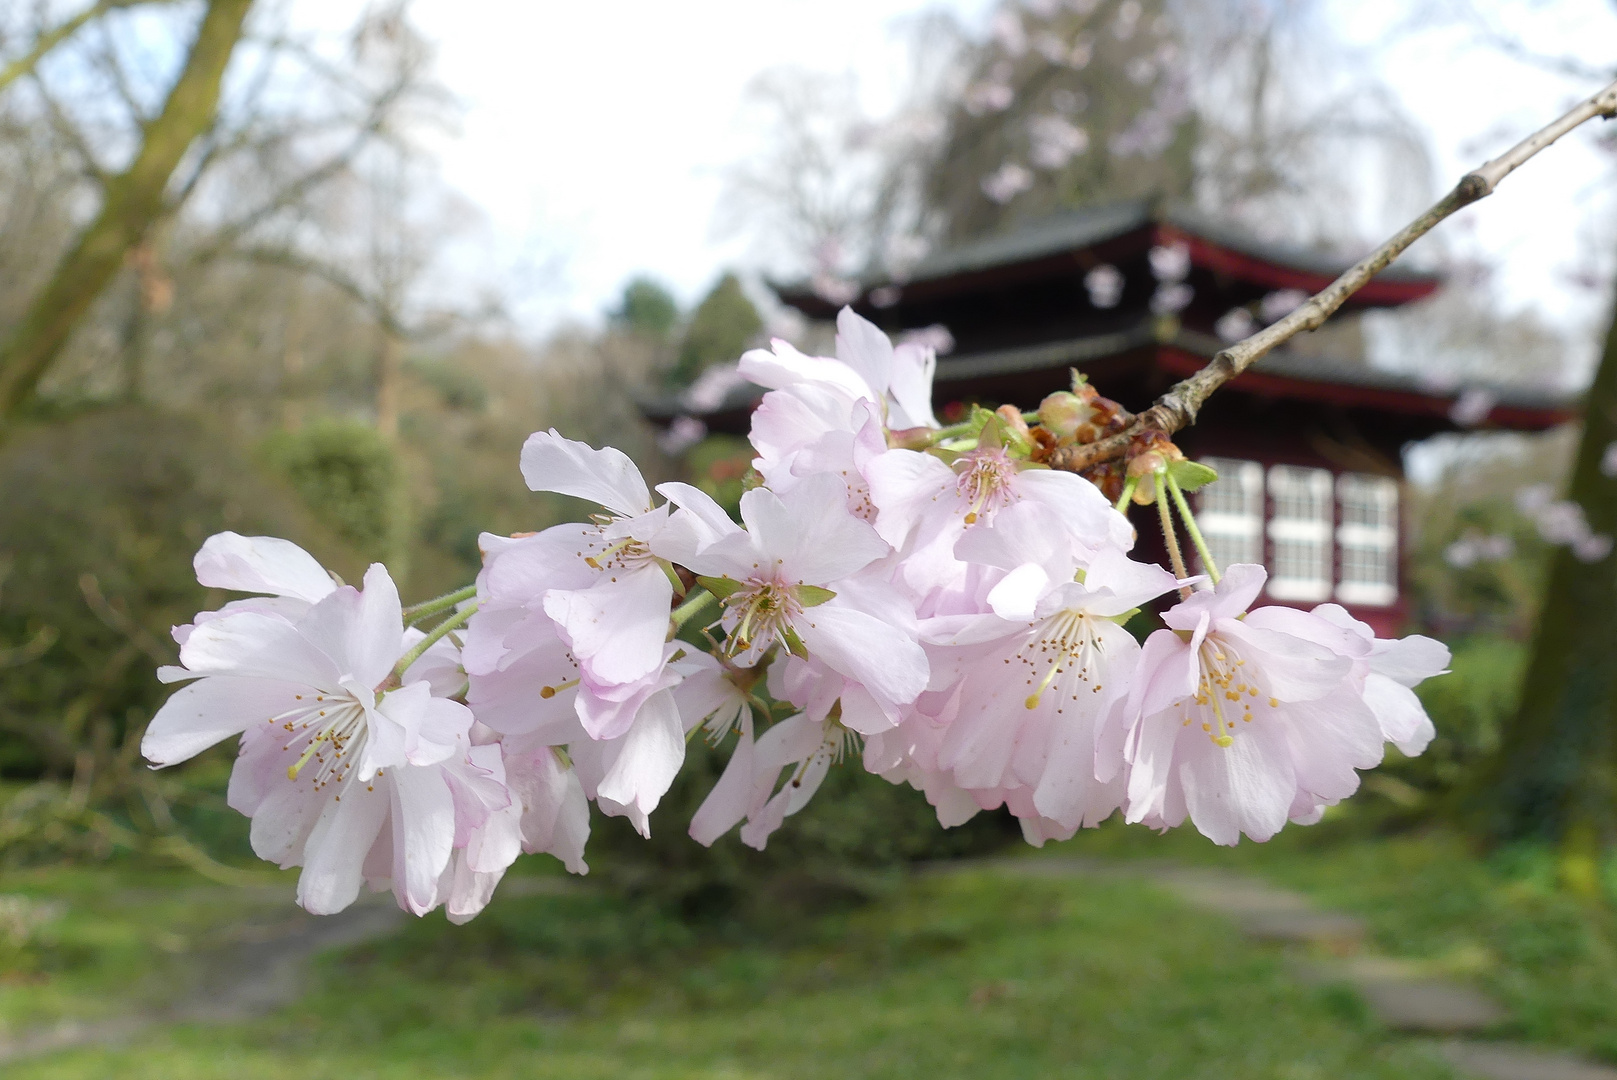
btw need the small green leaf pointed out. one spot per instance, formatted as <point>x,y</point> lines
<point>794,644</point>
<point>722,587</point>
<point>1190,475</point>
<point>813,595</point>
<point>1125,617</point>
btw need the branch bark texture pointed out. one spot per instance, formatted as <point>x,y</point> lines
<point>1177,408</point>
<point>133,201</point>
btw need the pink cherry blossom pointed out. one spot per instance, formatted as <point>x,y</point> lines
<point>1235,724</point>
<point>896,379</point>
<point>1040,672</point>
<point>925,506</point>
<point>616,624</point>
<point>488,833</point>
<point>1393,668</point>
<point>310,697</point>
<point>811,428</point>
<point>555,815</point>
<point>788,571</point>
<point>526,682</point>
<point>289,578</point>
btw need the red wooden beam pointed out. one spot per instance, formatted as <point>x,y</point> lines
<point>1223,260</point>
<point>1179,363</point>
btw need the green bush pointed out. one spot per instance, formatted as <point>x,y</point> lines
<point>350,479</point>
<point>101,517</point>
<point>1469,707</point>
<point>840,849</point>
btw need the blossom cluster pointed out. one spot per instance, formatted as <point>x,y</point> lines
<point>933,602</point>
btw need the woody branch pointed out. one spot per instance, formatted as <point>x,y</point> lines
<point>1177,408</point>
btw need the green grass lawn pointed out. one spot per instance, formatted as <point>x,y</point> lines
<point>971,973</point>
<point>1504,921</point>
<point>118,936</point>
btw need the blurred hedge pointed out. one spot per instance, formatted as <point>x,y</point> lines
<point>840,849</point>
<point>101,515</point>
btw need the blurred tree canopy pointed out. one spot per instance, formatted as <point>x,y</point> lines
<point>647,308</point>
<point>720,329</point>
<point>1251,111</point>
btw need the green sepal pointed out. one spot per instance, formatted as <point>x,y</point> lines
<point>722,587</point>
<point>813,595</point>
<point>794,644</point>
<point>673,578</point>
<point>996,432</point>
<point>1125,617</point>
<point>979,416</point>
<point>1191,475</point>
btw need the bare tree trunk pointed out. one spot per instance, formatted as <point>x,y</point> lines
<point>389,360</point>
<point>1553,776</point>
<point>134,199</point>
<point>292,390</point>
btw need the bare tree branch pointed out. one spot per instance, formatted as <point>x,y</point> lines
<point>49,39</point>
<point>1177,408</point>
<point>134,200</point>
<point>71,133</point>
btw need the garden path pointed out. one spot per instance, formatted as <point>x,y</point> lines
<point>1332,949</point>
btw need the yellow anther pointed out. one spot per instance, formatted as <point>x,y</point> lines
<point>548,692</point>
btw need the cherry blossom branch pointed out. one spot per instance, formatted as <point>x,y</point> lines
<point>433,637</point>
<point>1191,528</point>
<point>416,612</point>
<point>1168,536</point>
<point>691,608</point>
<point>1177,408</point>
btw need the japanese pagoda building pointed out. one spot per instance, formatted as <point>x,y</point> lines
<point>1308,443</point>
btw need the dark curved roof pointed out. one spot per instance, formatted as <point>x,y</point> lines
<point>1176,353</point>
<point>1107,233</point>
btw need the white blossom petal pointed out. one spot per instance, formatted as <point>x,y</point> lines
<point>261,564</point>
<point>606,476</point>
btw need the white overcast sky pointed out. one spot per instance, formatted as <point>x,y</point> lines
<point>594,134</point>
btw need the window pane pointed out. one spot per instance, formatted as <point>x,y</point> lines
<point>1368,540</point>
<point>1300,530</point>
<point>1230,511</point>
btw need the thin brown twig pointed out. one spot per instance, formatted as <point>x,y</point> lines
<point>1177,408</point>
<point>114,618</point>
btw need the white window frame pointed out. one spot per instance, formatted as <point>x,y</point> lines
<point>1230,511</point>
<point>1301,516</point>
<point>1361,496</point>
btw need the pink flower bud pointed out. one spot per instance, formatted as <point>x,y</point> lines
<point>1064,413</point>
